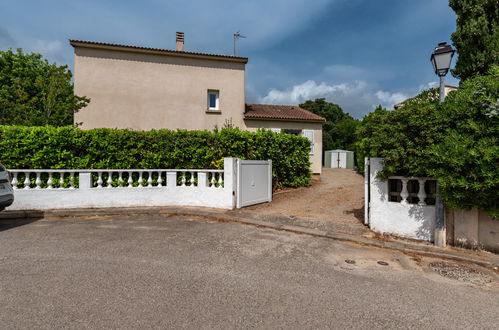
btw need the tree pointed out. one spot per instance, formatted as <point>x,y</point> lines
<point>476,37</point>
<point>466,157</point>
<point>401,136</point>
<point>34,92</point>
<point>339,129</point>
<point>455,142</point>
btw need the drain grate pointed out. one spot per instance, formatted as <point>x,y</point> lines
<point>459,272</point>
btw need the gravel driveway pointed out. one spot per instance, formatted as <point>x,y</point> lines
<point>336,200</point>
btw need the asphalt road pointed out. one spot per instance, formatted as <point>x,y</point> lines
<point>175,272</point>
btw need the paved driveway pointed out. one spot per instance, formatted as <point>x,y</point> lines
<point>178,272</point>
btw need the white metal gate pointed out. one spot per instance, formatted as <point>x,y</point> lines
<point>254,182</point>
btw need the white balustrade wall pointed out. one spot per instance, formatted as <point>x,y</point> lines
<point>56,189</point>
<point>408,215</point>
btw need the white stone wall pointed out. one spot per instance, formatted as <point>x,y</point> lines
<point>204,193</point>
<point>400,219</point>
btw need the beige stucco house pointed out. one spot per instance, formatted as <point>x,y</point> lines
<point>146,88</point>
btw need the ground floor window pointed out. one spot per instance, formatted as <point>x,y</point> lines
<point>292,131</point>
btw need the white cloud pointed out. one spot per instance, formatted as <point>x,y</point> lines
<point>431,84</point>
<point>357,98</point>
<point>390,98</point>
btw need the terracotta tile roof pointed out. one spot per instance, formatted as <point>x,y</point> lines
<point>103,45</point>
<point>280,112</point>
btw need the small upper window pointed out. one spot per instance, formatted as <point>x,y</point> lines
<point>213,100</point>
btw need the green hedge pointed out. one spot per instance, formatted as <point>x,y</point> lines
<point>71,148</point>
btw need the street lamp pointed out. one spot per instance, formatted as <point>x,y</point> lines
<point>441,58</point>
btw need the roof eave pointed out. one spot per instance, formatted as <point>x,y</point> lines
<point>164,52</point>
<point>286,119</point>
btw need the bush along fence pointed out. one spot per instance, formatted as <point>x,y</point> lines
<point>72,149</point>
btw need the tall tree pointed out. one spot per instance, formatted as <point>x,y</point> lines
<point>339,129</point>
<point>455,142</point>
<point>34,92</point>
<point>476,37</point>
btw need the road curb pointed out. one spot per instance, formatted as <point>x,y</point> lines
<point>450,253</point>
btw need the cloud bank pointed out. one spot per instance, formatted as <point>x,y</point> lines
<point>357,98</point>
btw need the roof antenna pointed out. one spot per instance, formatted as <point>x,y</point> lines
<point>237,35</point>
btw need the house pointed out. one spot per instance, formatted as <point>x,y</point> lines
<point>143,88</point>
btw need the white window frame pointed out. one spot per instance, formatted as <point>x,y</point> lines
<point>311,139</point>
<point>275,130</point>
<point>217,101</point>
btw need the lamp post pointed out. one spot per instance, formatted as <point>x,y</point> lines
<point>440,59</point>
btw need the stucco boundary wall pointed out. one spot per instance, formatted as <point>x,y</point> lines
<point>472,229</point>
<point>177,187</point>
<point>397,218</point>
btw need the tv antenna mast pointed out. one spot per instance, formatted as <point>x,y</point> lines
<point>237,35</point>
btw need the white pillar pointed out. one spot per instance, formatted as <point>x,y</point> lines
<point>171,179</point>
<point>230,177</point>
<point>85,180</point>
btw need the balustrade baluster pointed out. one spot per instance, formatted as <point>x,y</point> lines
<point>130,179</point>
<point>38,181</point>
<point>72,180</point>
<point>27,181</point>
<point>213,180</point>
<point>192,179</point>
<point>49,181</point>
<point>110,180</point>
<point>140,179</point>
<point>120,179</point>
<point>149,179</point>
<point>404,193</point>
<point>14,181</point>
<point>61,180</point>
<point>220,180</point>
<point>183,179</point>
<point>99,180</point>
<point>160,179</point>
<point>421,192</point>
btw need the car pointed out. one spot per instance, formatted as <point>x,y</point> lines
<point>6,191</point>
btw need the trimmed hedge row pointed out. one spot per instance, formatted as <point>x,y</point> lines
<point>71,148</point>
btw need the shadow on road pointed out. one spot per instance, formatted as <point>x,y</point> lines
<point>9,222</point>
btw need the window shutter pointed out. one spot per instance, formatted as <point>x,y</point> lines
<point>309,134</point>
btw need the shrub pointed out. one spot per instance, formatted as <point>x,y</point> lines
<point>455,142</point>
<point>71,148</point>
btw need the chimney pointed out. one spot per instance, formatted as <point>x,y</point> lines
<point>180,41</point>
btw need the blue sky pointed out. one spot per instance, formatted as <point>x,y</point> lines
<point>356,53</point>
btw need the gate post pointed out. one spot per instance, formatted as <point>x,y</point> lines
<point>270,180</point>
<point>367,190</point>
<point>230,178</point>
